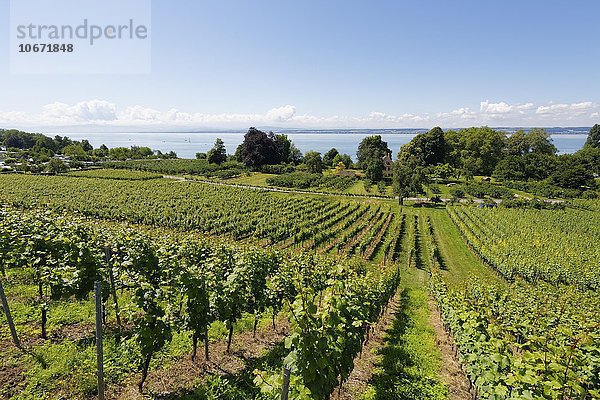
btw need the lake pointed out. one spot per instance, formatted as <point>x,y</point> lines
<point>186,145</point>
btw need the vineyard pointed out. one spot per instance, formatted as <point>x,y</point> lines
<point>557,247</point>
<point>117,174</point>
<point>326,224</point>
<point>518,339</point>
<point>218,292</point>
<point>159,288</point>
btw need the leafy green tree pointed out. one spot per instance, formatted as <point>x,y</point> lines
<point>572,173</point>
<point>517,144</point>
<point>593,139</point>
<point>590,156</point>
<point>119,153</point>
<point>201,156</point>
<point>408,180</point>
<point>536,141</point>
<point>313,162</point>
<point>371,151</point>
<point>295,154</point>
<point>540,142</point>
<point>528,167</point>
<point>101,152</point>
<point>283,148</point>
<point>14,141</point>
<point>218,154</point>
<point>329,157</point>
<point>56,166</point>
<point>374,170</point>
<point>425,149</point>
<point>475,151</point>
<point>343,158</point>
<point>76,152</point>
<point>87,147</point>
<point>371,147</point>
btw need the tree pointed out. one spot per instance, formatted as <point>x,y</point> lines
<point>370,157</point>
<point>295,154</point>
<point>374,170</point>
<point>475,151</point>
<point>408,180</point>
<point>343,158</point>
<point>572,173</point>
<point>76,152</point>
<point>516,144</point>
<point>56,166</point>
<point>590,156</point>
<point>593,139</point>
<point>313,162</point>
<point>283,147</point>
<point>330,156</point>
<point>14,141</point>
<point>540,142</point>
<point>101,152</point>
<point>527,167</point>
<point>425,149</point>
<point>258,149</point>
<point>218,154</point>
<point>87,147</point>
<point>200,156</point>
<point>536,141</point>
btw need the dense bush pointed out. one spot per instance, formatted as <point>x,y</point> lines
<point>181,166</point>
<point>536,204</point>
<point>305,180</point>
<point>543,189</point>
<point>480,190</point>
<point>277,169</point>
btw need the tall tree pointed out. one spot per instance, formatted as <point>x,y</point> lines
<point>370,155</point>
<point>425,149</point>
<point>408,180</point>
<point>218,154</point>
<point>313,162</point>
<point>343,158</point>
<point>593,139</point>
<point>258,149</point>
<point>330,156</point>
<point>283,147</point>
<point>475,151</point>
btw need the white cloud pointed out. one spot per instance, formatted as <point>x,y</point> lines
<point>84,111</point>
<point>282,114</point>
<point>562,108</point>
<point>503,108</point>
<point>106,114</point>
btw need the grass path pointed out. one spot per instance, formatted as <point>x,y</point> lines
<point>460,261</point>
<point>409,360</point>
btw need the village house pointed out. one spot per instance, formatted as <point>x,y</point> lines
<point>387,165</point>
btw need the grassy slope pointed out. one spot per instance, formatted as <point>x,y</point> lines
<point>460,261</point>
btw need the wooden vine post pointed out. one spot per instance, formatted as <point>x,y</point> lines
<point>113,290</point>
<point>11,323</point>
<point>285,387</point>
<point>99,351</point>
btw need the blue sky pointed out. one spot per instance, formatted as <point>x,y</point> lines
<point>334,63</point>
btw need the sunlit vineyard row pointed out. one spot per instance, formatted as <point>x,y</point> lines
<point>337,226</point>
<point>557,247</point>
<point>175,284</point>
<point>518,340</point>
